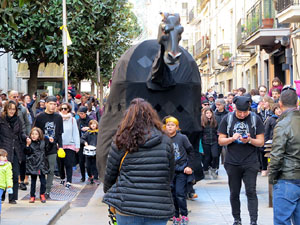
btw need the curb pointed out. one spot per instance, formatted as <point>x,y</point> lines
<point>59,213</point>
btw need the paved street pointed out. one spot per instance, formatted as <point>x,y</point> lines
<point>212,206</point>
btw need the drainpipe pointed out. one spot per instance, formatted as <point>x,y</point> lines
<point>259,67</point>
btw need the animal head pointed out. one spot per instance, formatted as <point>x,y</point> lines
<point>169,35</point>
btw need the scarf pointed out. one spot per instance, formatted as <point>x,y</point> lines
<point>66,117</point>
<point>11,120</point>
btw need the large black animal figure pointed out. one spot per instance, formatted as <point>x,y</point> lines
<point>162,73</point>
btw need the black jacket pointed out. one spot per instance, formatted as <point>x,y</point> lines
<point>209,135</point>
<point>83,123</point>
<point>11,139</point>
<point>143,186</point>
<point>36,161</point>
<point>269,127</point>
<point>220,115</point>
<point>285,154</point>
<point>90,137</point>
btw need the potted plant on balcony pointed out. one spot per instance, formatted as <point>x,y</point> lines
<point>267,21</point>
<point>226,56</point>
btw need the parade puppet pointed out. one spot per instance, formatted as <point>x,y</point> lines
<point>164,74</point>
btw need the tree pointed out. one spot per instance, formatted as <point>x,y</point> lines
<point>93,25</point>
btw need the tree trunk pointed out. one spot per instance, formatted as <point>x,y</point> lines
<point>32,82</point>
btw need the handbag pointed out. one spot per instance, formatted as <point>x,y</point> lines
<point>111,208</point>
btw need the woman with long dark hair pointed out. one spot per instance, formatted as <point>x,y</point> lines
<point>11,136</point>
<point>137,184</point>
<point>210,142</point>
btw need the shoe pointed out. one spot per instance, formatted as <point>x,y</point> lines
<point>47,195</point>
<point>91,180</point>
<point>264,173</point>
<point>62,182</point>
<point>82,180</point>
<point>237,222</point>
<point>253,223</point>
<point>206,175</point>
<point>32,200</point>
<point>192,196</point>
<point>12,202</point>
<point>213,173</point>
<point>184,220</point>
<point>68,185</point>
<point>23,187</point>
<point>43,198</point>
<point>176,221</point>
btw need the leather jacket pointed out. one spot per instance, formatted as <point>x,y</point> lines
<point>285,154</point>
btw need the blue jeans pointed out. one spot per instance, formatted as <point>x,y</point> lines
<point>139,220</point>
<point>286,203</point>
<point>1,192</point>
<point>179,194</point>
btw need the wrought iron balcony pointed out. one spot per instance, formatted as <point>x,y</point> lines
<point>242,36</point>
<point>191,15</point>
<point>288,11</point>
<point>224,54</point>
<point>284,4</point>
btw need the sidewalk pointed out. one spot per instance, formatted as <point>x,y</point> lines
<point>211,208</point>
<point>25,213</point>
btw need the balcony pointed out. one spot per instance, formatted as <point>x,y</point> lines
<point>224,54</point>
<point>288,11</point>
<point>262,29</point>
<point>202,47</point>
<point>201,4</point>
<point>242,36</point>
<point>191,15</point>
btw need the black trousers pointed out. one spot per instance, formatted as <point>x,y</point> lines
<point>211,155</point>
<point>66,165</point>
<point>91,166</point>
<point>33,184</point>
<point>22,170</point>
<point>15,172</point>
<point>247,174</point>
<point>81,158</point>
<point>179,194</point>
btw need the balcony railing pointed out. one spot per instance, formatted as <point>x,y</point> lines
<point>198,48</point>
<point>191,15</point>
<point>284,4</point>
<point>241,32</point>
<point>224,54</point>
<point>260,16</point>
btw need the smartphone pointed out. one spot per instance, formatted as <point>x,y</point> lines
<point>244,136</point>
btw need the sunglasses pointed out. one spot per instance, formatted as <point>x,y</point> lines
<point>206,104</point>
<point>288,88</point>
<point>64,109</point>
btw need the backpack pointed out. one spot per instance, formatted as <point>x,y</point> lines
<point>230,118</point>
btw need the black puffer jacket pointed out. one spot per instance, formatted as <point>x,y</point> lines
<point>143,187</point>
<point>209,135</point>
<point>36,162</point>
<point>90,137</point>
<point>11,138</point>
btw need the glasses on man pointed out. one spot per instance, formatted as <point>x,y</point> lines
<point>15,97</point>
<point>66,109</point>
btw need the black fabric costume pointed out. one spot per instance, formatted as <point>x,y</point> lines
<point>131,79</point>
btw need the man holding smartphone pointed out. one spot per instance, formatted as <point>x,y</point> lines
<point>242,131</point>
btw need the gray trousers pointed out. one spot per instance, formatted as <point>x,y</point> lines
<point>50,175</point>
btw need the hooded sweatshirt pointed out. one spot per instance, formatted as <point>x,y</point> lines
<point>70,136</point>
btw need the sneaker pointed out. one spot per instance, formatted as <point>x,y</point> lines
<point>82,179</point>
<point>91,180</point>
<point>43,198</point>
<point>213,173</point>
<point>253,223</point>
<point>192,196</point>
<point>68,185</point>
<point>62,182</point>
<point>237,222</point>
<point>23,187</point>
<point>12,202</point>
<point>32,200</point>
<point>47,195</point>
<point>206,175</point>
<point>184,220</point>
<point>176,221</point>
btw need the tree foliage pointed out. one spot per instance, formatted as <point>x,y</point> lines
<point>106,26</point>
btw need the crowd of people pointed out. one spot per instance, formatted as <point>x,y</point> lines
<point>42,136</point>
<point>150,174</point>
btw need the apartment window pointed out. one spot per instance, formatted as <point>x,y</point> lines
<point>230,85</point>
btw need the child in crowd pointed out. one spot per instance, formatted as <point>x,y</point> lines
<point>183,151</point>
<point>276,83</point>
<point>276,95</point>
<point>271,122</point>
<point>36,162</point>
<point>6,182</point>
<point>90,138</point>
<point>210,142</point>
